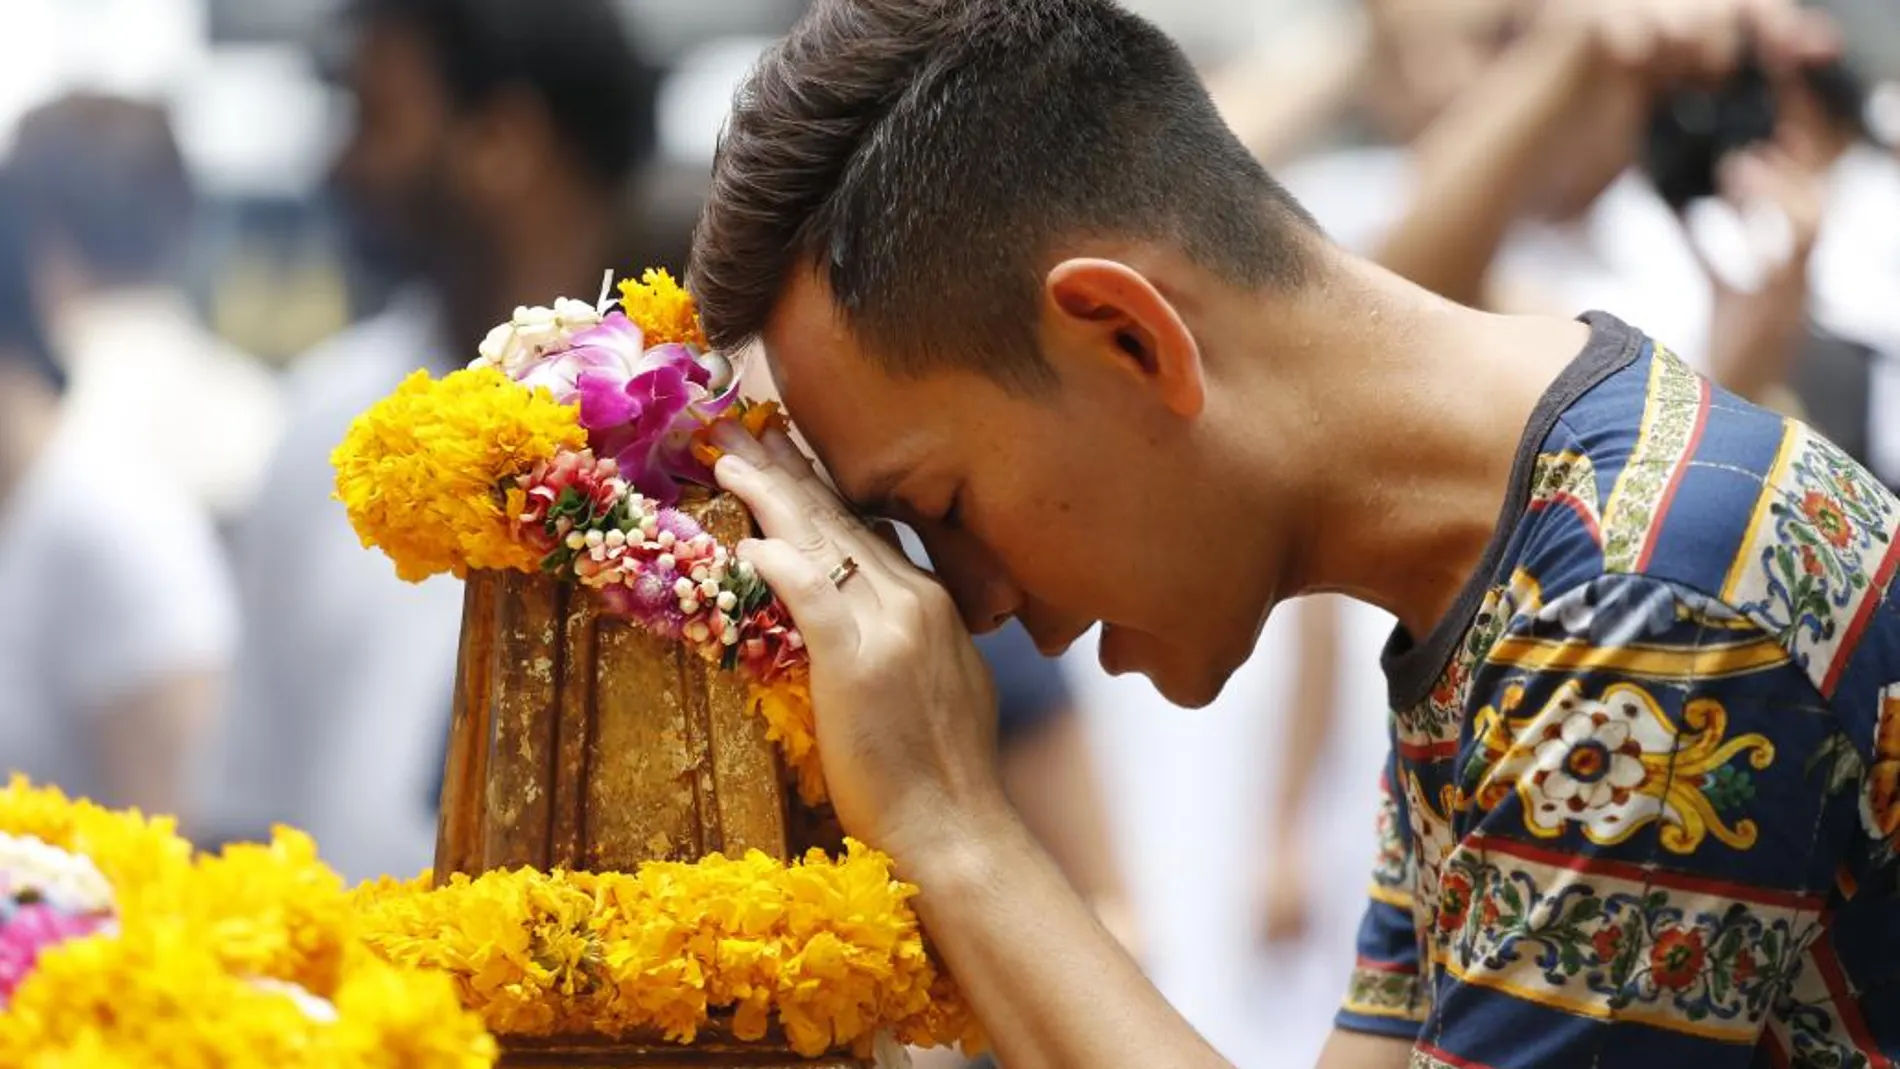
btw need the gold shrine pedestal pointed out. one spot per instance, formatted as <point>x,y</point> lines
<point>580,742</point>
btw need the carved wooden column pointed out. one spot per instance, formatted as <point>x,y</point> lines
<point>580,742</point>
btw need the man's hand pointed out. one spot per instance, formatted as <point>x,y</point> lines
<point>906,712</point>
<point>1668,42</point>
<point>1780,191</point>
<point>907,730</point>
<point>1557,119</point>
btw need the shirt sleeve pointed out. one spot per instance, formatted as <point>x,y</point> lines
<point>1638,843</point>
<point>1385,996</point>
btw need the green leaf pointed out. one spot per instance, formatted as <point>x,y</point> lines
<point>1570,958</point>
<point>1513,901</point>
<point>1719,979</point>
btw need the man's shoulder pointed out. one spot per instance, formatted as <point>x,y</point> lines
<point>1666,476</point>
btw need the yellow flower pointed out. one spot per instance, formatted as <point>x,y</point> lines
<point>393,1019</point>
<point>186,980</point>
<point>137,855</point>
<point>275,911</point>
<point>154,989</point>
<point>422,471</point>
<point>661,309</point>
<point>786,706</point>
<point>828,948</point>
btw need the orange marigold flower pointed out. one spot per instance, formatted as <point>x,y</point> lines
<point>756,417</point>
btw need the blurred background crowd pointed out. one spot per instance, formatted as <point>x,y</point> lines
<point>227,226</point>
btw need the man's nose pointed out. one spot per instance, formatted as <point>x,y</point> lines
<point>985,597</point>
<point>986,603</point>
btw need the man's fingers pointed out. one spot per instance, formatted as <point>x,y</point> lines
<point>806,515</point>
<point>816,603</point>
<point>776,500</point>
<point>786,453</point>
<point>1788,37</point>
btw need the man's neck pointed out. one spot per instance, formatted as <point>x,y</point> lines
<point>1420,438</point>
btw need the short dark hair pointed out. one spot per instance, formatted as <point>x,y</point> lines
<point>22,334</point>
<point>105,173</point>
<point>578,57</point>
<point>927,153</point>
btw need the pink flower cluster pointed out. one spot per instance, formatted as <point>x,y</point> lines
<point>654,565</point>
<point>640,405</point>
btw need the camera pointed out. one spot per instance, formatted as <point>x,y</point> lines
<point>1691,131</point>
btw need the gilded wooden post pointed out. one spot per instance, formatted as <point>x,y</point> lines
<point>580,742</point>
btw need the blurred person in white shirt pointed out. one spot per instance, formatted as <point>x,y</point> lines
<point>112,208</point>
<point>491,157</point>
<point>117,620</point>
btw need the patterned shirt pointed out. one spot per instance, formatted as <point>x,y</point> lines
<point>1643,806</point>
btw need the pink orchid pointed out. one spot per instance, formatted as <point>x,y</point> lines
<point>640,406</point>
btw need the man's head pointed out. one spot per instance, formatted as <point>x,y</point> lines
<point>105,187</point>
<point>470,111</point>
<point>1003,256</point>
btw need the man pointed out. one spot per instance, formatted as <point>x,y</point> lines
<point>116,636</point>
<point>1607,242</point>
<point>1023,290</point>
<point>493,152</point>
<point>112,205</point>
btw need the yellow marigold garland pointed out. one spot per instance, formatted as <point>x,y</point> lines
<point>419,470</point>
<point>664,312</point>
<point>192,976</point>
<point>829,949</point>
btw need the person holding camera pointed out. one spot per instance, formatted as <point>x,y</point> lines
<point>1526,196</point>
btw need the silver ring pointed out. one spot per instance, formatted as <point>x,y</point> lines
<point>842,574</point>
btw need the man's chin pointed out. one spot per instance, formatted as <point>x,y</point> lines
<point>1187,694</point>
<point>1188,686</point>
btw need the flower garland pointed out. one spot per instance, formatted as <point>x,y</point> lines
<point>564,447</point>
<point>827,947</point>
<point>123,949</point>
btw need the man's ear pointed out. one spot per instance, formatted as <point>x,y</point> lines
<point>1109,311</point>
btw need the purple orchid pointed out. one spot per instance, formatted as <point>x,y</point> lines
<point>640,406</point>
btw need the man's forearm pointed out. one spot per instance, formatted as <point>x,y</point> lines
<point>1477,165</point>
<point>1052,987</point>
